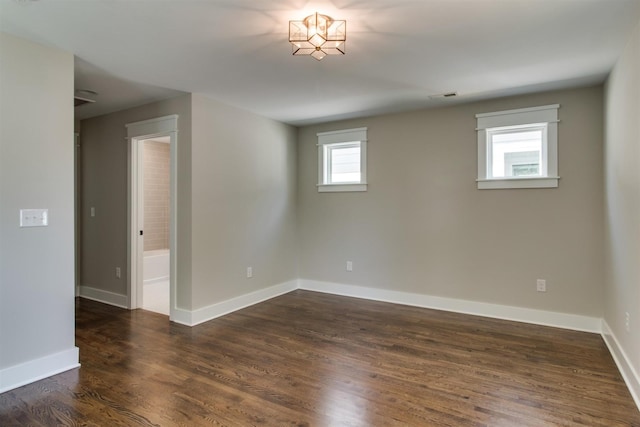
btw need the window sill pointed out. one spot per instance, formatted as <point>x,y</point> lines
<point>330,188</point>
<point>538,182</point>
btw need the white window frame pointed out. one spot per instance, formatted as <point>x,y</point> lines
<point>544,118</point>
<point>341,139</point>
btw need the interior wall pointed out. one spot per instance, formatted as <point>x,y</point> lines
<point>105,151</point>
<point>424,227</point>
<point>244,202</point>
<point>236,191</point>
<point>36,171</point>
<point>622,200</point>
<point>157,194</point>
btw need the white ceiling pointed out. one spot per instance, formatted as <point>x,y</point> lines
<point>398,51</point>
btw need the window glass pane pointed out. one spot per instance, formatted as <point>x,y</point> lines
<point>345,164</point>
<point>525,170</point>
<point>516,153</point>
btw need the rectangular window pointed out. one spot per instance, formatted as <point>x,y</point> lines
<point>343,163</point>
<point>516,145</point>
<point>518,148</point>
<point>342,160</point>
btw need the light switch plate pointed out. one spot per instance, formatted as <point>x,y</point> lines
<point>34,217</point>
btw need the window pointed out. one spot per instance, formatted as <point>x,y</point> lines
<point>518,148</point>
<point>342,159</point>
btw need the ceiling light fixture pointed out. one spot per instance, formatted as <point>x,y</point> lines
<point>318,35</point>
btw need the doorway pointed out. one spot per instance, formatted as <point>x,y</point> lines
<point>152,215</point>
<point>153,202</point>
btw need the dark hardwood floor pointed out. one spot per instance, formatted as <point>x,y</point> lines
<point>310,359</point>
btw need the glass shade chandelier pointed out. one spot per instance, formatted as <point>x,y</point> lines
<point>318,35</point>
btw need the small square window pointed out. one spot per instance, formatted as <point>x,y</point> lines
<point>509,148</point>
<point>342,160</point>
<point>343,163</point>
<point>518,148</point>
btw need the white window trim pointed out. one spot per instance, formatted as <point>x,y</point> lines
<point>341,137</point>
<point>547,114</point>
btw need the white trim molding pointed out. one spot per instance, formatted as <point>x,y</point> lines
<point>155,126</point>
<point>497,311</point>
<point>536,182</point>
<point>629,374</point>
<point>517,116</point>
<point>333,188</point>
<point>105,297</point>
<point>35,370</point>
<point>210,312</point>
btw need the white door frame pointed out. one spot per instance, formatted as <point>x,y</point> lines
<point>136,133</point>
<point>76,213</point>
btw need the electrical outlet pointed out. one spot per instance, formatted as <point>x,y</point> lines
<point>541,285</point>
<point>118,272</point>
<point>34,217</point>
<point>626,322</point>
<point>249,272</point>
<point>349,266</point>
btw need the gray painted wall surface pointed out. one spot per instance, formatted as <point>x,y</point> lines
<point>36,171</point>
<point>622,201</point>
<point>244,202</point>
<point>105,152</point>
<point>236,200</point>
<point>424,227</point>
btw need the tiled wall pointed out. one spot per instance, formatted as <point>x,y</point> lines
<point>156,195</point>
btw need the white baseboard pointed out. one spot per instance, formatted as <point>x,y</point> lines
<point>628,372</point>
<point>201,315</point>
<point>497,311</point>
<point>106,297</point>
<point>34,370</point>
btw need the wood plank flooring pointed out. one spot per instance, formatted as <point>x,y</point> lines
<point>310,359</point>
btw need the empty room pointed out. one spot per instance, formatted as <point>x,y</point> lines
<point>331,213</point>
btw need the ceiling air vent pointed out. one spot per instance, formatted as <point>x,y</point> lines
<point>81,100</point>
<point>78,101</point>
<point>444,95</point>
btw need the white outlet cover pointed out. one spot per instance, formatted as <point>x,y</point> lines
<point>627,324</point>
<point>34,217</point>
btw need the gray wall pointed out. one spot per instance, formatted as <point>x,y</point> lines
<point>104,186</point>
<point>36,171</point>
<point>622,201</point>
<point>236,200</point>
<point>423,227</point>
<point>244,202</point>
